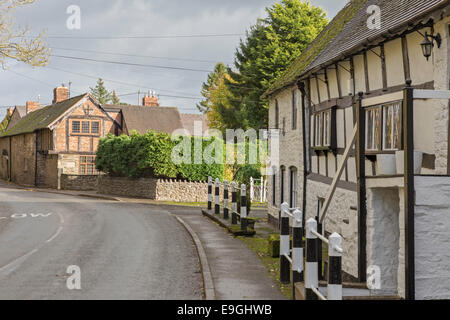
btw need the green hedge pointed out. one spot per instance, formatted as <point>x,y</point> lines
<point>150,155</point>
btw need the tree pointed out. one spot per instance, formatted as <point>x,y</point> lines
<point>100,93</point>
<point>271,45</point>
<point>5,122</point>
<point>114,98</point>
<point>14,42</point>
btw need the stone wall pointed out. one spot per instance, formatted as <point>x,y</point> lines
<point>341,218</point>
<point>432,241</point>
<point>155,189</point>
<point>79,182</point>
<point>47,170</point>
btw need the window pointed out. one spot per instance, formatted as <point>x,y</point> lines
<point>383,127</point>
<point>87,165</point>
<point>95,126</point>
<point>75,126</point>
<point>294,109</point>
<point>324,129</point>
<point>277,115</point>
<point>85,127</point>
<point>293,188</point>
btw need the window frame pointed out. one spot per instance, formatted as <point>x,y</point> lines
<point>81,123</point>
<point>324,136</point>
<point>382,126</point>
<point>293,187</point>
<point>277,115</point>
<point>282,182</point>
<point>86,163</point>
<point>294,109</point>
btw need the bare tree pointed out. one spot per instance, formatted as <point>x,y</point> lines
<point>14,41</point>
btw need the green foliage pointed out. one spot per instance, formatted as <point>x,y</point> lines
<point>149,155</point>
<point>200,172</point>
<point>5,122</point>
<point>271,45</point>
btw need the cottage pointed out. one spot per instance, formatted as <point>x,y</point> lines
<point>363,119</point>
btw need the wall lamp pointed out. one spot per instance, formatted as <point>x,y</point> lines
<point>427,44</point>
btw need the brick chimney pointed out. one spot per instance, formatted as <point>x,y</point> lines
<point>60,94</point>
<point>32,106</point>
<point>150,100</point>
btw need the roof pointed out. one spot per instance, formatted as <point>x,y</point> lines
<point>348,31</point>
<point>188,121</point>
<point>143,119</point>
<point>21,110</point>
<point>41,118</point>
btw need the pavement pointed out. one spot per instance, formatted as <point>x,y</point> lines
<point>228,269</point>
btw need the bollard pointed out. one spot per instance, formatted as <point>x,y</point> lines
<point>297,249</point>
<point>233,203</point>
<point>209,193</point>
<point>334,289</point>
<point>243,208</point>
<point>319,250</point>
<point>311,274</point>
<point>217,197</point>
<point>285,276</point>
<point>225,200</point>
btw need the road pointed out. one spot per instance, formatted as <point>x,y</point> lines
<point>123,250</point>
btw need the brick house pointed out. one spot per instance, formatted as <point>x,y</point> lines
<point>42,143</point>
<point>64,136</point>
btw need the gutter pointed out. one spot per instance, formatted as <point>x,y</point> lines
<point>301,86</point>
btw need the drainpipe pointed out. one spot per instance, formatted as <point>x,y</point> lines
<point>35,159</point>
<point>10,160</point>
<point>362,201</point>
<point>409,193</point>
<point>301,87</point>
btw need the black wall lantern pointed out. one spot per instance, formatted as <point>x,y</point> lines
<point>427,44</point>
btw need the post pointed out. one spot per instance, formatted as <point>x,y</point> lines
<point>297,250</point>
<point>233,203</point>
<point>60,170</point>
<point>285,276</point>
<point>209,193</point>
<point>334,290</point>
<point>252,189</point>
<point>225,200</point>
<point>319,250</point>
<point>261,190</point>
<point>217,197</point>
<point>243,207</point>
<point>311,276</point>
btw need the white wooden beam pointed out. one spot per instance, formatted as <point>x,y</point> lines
<point>431,94</point>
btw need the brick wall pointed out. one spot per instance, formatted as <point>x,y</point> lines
<point>79,182</point>
<point>47,171</point>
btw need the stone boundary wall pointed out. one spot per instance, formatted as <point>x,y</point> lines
<point>79,182</point>
<point>155,189</point>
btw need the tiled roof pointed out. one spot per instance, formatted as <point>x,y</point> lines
<point>189,120</point>
<point>348,30</point>
<point>41,118</point>
<point>143,119</point>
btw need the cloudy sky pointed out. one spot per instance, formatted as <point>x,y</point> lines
<point>143,32</point>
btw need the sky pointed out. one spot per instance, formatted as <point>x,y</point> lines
<point>168,46</point>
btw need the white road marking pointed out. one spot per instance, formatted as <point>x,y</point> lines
<point>10,267</point>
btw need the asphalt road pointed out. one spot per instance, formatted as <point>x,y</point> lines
<point>123,250</point>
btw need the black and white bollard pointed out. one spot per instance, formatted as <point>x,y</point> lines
<point>210,199</point>
<point>225,200</point>
<point>243,207</point>
<point>334,290</point>
<point>297,248</point>
<point>319,250</point>
<point>311,270</point>
<point>285,276</point>
<point>233,203</point>
<point>217,197</point>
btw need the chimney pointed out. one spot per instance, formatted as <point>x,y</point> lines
<point>150,100</point>
<point>60,94</point>
<point>32,106</point>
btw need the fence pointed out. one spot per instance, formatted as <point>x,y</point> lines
<point>294,258</point>
<point>235,215</point>
<point>258,192</point>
